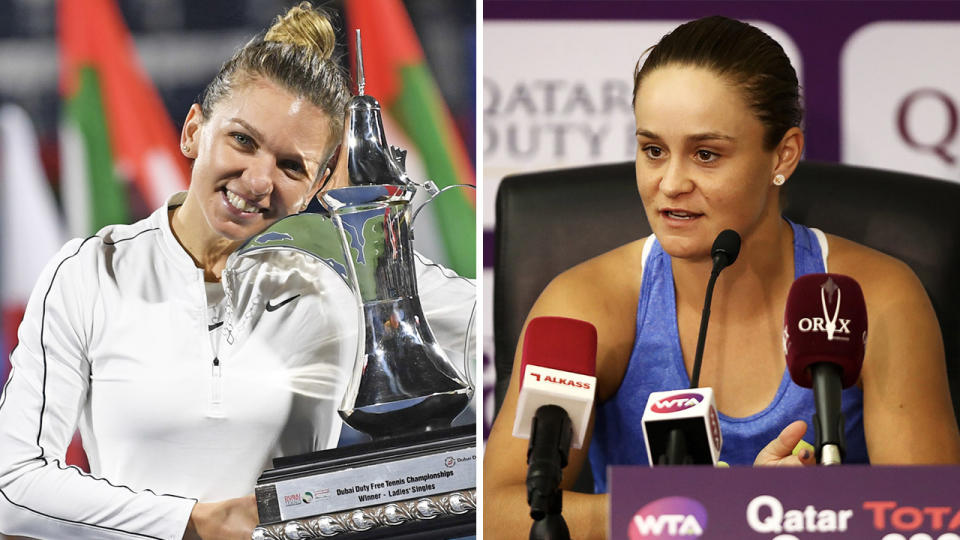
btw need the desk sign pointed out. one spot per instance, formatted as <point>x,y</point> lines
<point>742,503</point>
<point>383,483</point>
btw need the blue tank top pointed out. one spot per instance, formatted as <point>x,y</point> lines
<point>656,364</point>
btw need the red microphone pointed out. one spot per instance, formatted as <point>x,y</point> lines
<point>824,337</point>
<point>559,360</point>
<point>556,396</point>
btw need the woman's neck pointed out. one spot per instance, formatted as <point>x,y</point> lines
<point>761,276</point>
<point>207,250</point>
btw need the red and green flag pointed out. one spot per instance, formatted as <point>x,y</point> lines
<point>119,148</point>
<point>397,75</point>
<point>119,155</point>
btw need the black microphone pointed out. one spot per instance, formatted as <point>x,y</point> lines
<point>547,455</point>
<point>725,249</point>
<point>724,252</point>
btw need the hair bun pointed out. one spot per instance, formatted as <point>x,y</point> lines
<point>304,26</point>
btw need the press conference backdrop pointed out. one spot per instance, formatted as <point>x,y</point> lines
<point>880,82</point>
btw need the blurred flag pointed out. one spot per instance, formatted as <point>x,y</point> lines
<point>119,157</point>
<point>396,74</point>
<point>119,154</point>
<point>31,231</point>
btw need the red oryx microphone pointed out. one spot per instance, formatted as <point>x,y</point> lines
<point>557,387</point>
<point>824,337</point>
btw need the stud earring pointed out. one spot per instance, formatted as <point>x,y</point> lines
<point>779,180</point>
<point>185,148</point>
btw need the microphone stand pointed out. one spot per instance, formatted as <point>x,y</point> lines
<point>552,526</point>
<point>704,321</point>
<point>828,421</point>
<point>676,452</point>
<point>726,248</point>
<point>547,455</point>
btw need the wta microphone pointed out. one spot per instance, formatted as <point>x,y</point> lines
<point>680,427</point>
<point>824,337</point>
<point>556,396</point>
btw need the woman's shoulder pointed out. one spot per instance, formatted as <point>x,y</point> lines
<point>84,257</point>
<point>883,278</point>
<point>602,290</point>
<point>111,235</point>
<point>613,272</point>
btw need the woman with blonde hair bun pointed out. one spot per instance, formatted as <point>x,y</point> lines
<point>182,394</point>
<point>718,115</point>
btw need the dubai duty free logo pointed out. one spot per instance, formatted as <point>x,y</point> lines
<point>669,517</point>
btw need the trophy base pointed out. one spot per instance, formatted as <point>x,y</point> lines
<point>427,413</point>
<point>414,486</point>
<point>361,526</point>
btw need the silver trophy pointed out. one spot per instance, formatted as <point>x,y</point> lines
<point>404,383</point>
<point>418,473</point>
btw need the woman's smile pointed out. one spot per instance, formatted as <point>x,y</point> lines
<point>239,205</point>
<point>257,160</point>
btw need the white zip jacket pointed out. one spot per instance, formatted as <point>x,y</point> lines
<point>177,399</point>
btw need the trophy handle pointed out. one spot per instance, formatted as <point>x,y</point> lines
<point>468,353</point>
<point>431,188</point>
<point>434,193</point>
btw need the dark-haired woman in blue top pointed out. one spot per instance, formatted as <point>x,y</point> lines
<point>718,117</point>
